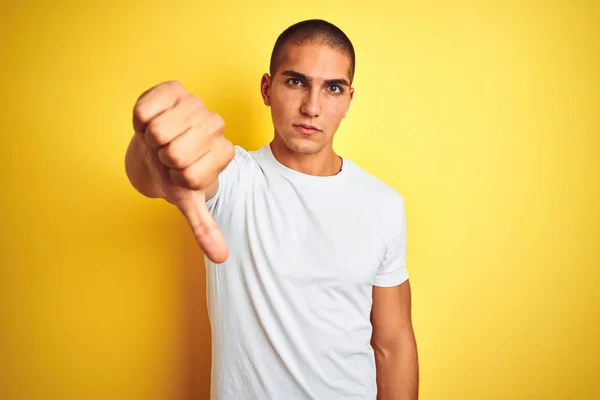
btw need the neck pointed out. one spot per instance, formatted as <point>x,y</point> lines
<point>324,163</point>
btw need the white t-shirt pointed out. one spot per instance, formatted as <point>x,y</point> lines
<point>290,308</point>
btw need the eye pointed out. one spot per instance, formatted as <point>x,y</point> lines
<point>335,89</point>
<point>295,82</point>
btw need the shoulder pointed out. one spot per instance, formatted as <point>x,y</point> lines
<point>237,176</point>
<point>374,188</point>
<point>242,162</point>
<point>242,154</point>
<point>247,156</point>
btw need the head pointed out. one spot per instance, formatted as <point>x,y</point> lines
<point>309,85</point>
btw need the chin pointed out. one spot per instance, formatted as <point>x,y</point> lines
<point>303,145</point>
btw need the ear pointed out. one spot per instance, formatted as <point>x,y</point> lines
<point>349,101</point>
<point>265,89</point>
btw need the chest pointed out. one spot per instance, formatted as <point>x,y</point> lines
<point>310,236</point>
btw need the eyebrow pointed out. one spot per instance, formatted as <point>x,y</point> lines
<point>303,77</point>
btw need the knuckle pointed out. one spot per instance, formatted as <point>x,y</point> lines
<point>174,156</point>
<point>141,112</point>
<point>192,179</point>
<point>215,124</point>
<point>195,102</point>
<point>173,85</point>
<point>218,121</point>
<point>198,114</point>
<point>229,150</point>
<point>156,132</point>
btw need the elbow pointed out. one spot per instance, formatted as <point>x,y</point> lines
<point>391,347</point>
<point>386,350</point>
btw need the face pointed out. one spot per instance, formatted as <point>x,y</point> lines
<point>309,94</point>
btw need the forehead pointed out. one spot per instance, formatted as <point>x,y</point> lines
<point>317,61</point>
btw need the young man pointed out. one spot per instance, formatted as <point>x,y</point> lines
<point>307,288</point>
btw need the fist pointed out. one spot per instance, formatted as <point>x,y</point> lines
<point>188,138</point>
<point>185,151</point>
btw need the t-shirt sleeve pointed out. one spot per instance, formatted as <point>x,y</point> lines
<point>230,179</point>
<point>392,270</point>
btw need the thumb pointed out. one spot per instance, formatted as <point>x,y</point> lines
<point>192,204</point>
<point>205,229</point>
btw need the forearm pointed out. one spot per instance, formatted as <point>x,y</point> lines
<point>397,369</point>
<point>137,170</point>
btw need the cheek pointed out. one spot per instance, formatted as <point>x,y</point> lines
<point>282,108</point>
<point>336,111</point>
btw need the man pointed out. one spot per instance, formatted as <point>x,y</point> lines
<point>307,288</point>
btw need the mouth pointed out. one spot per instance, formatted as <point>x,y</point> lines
<point>306,129</point>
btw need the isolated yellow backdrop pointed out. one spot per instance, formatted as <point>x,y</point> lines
<point>484,115</point>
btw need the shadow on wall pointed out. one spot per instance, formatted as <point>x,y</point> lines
<point>241,129</point>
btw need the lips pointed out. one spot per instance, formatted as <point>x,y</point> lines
<point>306,128</point>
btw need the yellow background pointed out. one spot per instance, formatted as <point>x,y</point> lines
<point>484,115</point>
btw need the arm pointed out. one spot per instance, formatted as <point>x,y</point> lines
<point>394,343</point>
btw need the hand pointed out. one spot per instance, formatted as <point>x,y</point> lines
<point>185,150</point>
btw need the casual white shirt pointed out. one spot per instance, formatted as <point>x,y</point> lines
<point>290,308</point>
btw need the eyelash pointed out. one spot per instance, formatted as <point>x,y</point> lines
<point>339,88</point>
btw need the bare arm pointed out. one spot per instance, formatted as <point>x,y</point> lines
<point>394,343</point>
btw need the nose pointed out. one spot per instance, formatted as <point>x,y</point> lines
<point>311,104</point>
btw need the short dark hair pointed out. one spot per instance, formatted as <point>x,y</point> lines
<point>313,31</point>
